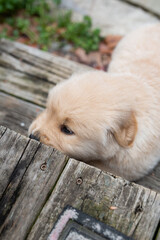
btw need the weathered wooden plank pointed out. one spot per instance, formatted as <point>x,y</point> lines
<point>128,207</point>
<point>29,73</point>
<point>13,188</point>
<point>23,86</point>
<point>12,146</point>
<point>30,184</point>
<point>2,130</point>
<point>36,63</point>
<point>17,114</point>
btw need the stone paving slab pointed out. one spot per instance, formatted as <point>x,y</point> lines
<point>151,5</point>
<point>111,16</point>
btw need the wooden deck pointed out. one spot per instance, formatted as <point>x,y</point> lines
<point>37,182</point>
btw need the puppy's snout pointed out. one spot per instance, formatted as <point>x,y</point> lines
<point>35,136</point>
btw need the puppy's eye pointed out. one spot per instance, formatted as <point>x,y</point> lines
<point>66,130</point>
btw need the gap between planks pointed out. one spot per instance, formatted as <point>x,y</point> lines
<point>34,196</point>
<point>27,185</point>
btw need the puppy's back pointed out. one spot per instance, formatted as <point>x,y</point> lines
<point>139,54</point>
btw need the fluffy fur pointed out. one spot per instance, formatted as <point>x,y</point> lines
<point>114,117</point>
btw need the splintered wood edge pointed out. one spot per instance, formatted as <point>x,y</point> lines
<point>28,185</point>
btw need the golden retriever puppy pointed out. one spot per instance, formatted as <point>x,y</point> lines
<point>110,120</point>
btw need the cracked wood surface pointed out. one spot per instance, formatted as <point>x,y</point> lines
<point>29,73</point>
<point>38,184</point>
<point>136,212</point>
<point>28,173</point>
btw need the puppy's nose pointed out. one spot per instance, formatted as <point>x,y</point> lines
<point>35,136</point>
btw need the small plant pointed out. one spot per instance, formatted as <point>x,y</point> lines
<point>31,6</point>
<point>32,19</point>
<point>10,6</point>
<point>80,33</point>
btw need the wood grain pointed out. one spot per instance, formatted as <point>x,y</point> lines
<point>12,146</point>
<point>2,130</point>
<point>17,114</point>
<point>12,190</point>
<point>37,63</point>
<point>29,73</point>
<point>22,86</point>
<point>33,177</point>
<point>137,210</point>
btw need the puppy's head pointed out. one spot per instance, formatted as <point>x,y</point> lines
<point>87,117</point>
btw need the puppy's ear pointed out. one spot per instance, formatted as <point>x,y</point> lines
<point>126,132</point>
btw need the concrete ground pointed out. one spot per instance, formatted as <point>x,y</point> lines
<point>116,16</point>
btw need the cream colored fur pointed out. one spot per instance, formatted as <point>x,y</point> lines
<point>115,116</point>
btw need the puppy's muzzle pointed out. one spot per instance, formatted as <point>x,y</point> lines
<point>35,136</point>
